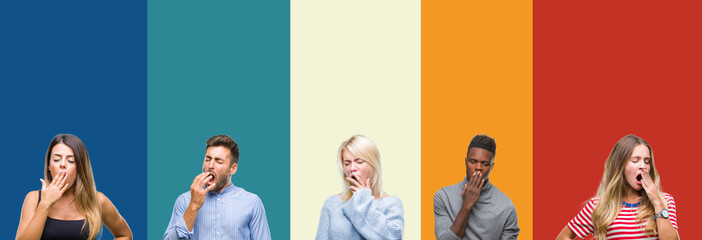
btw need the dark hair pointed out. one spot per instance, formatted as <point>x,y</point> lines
<point>484,142</point>
<point>228,142</point>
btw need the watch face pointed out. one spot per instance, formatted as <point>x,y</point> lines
<point>664,213</point>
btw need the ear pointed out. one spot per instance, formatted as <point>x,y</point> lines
<point>232,169</point>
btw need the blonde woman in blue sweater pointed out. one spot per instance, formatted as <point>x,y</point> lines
<point>362,210</point>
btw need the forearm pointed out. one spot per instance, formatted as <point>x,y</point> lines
<point>35,228</point>
<point>459,225</point>
<point>190,215</point>
<point>666,231</point>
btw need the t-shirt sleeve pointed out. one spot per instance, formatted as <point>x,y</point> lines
<point>581,224</point>
<point>672,211</point>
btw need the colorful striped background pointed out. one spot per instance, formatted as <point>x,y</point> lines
<point>557,83</point>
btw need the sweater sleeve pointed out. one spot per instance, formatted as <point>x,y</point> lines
<point>442,221</point>
<point>372,222</point>
<point>323,226</point>
<point>511,229</point>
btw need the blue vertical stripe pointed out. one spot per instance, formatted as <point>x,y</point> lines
<point>74,67</point>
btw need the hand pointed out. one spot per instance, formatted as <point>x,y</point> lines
<point>52,193</point>
<point>197,190</point>
<point>358,182</point>
<point>651,189</point>
<point>471,191</point>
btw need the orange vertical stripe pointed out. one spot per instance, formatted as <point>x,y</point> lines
<point>477,78</point>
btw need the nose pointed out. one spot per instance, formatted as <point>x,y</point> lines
<point>62,163</point>
<point>642,165</point>
<point>210,165</point>
<point>479,167</point>
<point>353,167</point>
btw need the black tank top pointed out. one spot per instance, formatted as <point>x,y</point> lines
<point>55,229</point>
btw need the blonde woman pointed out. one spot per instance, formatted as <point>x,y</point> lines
<point>68,206</point>
<point>362,210</point>
<point>629,203</point>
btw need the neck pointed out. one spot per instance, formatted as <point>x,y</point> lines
<point>632,196</point>
<point>225,186</point>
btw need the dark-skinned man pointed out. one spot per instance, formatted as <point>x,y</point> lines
<point>474,208</point>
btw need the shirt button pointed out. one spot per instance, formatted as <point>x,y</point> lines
<point>217,215</point>
<point>217,233</point>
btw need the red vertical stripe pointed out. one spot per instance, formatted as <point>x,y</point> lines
<point>603,70</point>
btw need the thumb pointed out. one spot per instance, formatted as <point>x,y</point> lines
<point>210,187</point>
<point>43,184</point>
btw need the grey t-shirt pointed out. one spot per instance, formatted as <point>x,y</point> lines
<point>492,217</point>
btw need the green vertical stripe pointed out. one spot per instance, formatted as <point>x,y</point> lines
<point>219,67</point>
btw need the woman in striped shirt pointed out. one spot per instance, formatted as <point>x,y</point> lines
<point>628,204</point>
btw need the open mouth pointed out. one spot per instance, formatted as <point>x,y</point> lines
<point>212,179</point>
<point>639,177</point>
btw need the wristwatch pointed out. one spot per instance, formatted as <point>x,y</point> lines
<point>663,213</point>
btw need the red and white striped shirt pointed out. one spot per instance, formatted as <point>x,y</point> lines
<point>624,226</point>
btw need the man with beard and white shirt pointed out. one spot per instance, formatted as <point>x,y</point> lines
<point>474,208</point>
<point>214,208</point>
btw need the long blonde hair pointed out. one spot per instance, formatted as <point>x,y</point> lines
<point>613,189</point>
<point>364,148</point>
<point>85,194</point>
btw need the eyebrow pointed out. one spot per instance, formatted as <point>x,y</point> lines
<point>478,160</point>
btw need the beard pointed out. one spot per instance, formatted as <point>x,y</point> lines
<point>220,182</point>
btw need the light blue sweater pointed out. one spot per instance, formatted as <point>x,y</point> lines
<point>362,217</point>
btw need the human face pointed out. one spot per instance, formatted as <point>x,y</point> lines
<point>63,159</point>
<point>479,160</point>
<point>356,167</point>
<point>639,162</point>
<point>217,159</point>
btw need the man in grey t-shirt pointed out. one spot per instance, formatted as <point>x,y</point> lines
<point>474,208</point>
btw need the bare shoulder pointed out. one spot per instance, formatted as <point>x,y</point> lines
<point>32,196</point>
<point>104,201</point>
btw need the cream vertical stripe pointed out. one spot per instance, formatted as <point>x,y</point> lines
<point>355,68</point>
